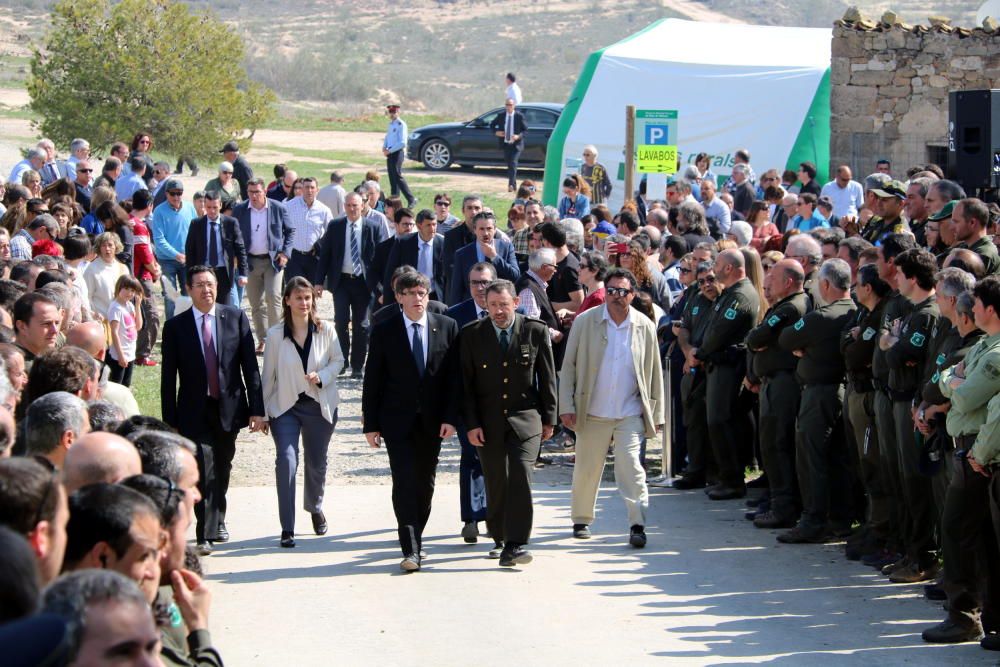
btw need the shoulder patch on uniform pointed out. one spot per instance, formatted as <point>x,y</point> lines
<point>730,314</point>
<point>940,359</point>
<point>868,334</point>
<point>773,320</point>
<point>917,339</point>
<point>694,311</point>
<point>990,369</point>
<point>798,325</point>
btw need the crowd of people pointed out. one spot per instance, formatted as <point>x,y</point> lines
<point>842,338</point>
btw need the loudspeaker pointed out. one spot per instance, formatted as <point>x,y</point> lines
<point>974,138</point>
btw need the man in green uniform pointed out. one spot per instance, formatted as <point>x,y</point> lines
<point>722,352</point>
<point>857,344</point>
<point>896,307</point>
<point>690,333</point>
<point>905,348</point>
<point>972,386</point>
<point>821,455</point>
<point>889,207</point>
<point>779,392</point>
<point>970,219</point>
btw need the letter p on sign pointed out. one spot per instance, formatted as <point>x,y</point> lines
<point>657,135</point>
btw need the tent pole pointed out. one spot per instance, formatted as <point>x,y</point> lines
<point>629,152</point>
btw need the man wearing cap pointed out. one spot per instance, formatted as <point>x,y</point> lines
<point>394,150</point>
<point>969,219</point>
<point>171,221</point>
<point>35,160</point>
<point>888,209</point>
<point>225,185</point>
<point>846,194</point>
<point>241,168</point>
<point>509,127</point>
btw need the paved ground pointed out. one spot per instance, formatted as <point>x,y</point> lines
<point>708,589</point>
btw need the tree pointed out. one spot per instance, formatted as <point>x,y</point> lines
<point>107,71</point>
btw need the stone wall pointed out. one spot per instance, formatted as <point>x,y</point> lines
<point>890,83</point>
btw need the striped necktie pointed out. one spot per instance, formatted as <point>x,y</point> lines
<point>355,252</point>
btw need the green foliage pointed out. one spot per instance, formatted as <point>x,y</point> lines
<point>107,71</point>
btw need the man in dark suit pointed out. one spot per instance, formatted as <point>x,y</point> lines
<point>346,253</point>
<point>486,248</point>
<point>209,348</point>
<point>410,398</point>
<point>215,240</point>
<point>423,251</point>
<point>509,406</point>
<point>376,279</point>
<point>471,486</point>
<point>510,128</point>
<point>389,311</point>
<point>460,235</point>
<point>268,235</point>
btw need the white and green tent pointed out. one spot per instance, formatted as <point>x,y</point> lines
<point>734,86</point>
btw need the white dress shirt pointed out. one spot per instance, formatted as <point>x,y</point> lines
<point>616,391</point>
<point>309,222</point>
<point>348,266</point>
<point>257,243</point>
<point>513,92</point>
<point>423,332</point>
<point>425,257</point>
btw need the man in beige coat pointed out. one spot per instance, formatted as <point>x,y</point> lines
<point>611,390</point>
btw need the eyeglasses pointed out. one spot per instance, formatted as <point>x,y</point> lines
<point>204,285</point>
<point>707,280</point>
<point>619,291</point>
<point>481,284</point>
<point>442,203</point>
<point>84,171</point>
<point>420,294</point>
<point>174,193</point>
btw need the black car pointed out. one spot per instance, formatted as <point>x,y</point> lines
<point>473,143</point>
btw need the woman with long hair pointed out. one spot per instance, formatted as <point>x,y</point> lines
<point>755,274</point>
<point>653,284</point>
<point>575,202</point>
<point>103,273</point>
<point>302,359</point>
<point>763,228</point>
<point>142,146</point>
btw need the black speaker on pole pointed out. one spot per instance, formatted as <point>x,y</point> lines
<point>974,138</point>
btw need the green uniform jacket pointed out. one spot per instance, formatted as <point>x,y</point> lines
<point>988,252</point>
<point>982,383</point>
<point>516,389</point>
<point>858,351</point>
<point>896,307</point>
<point>877,229</point>
<point>697,312</point>
<point>818,335</point>
<point>194,649</point>
<point>947,349</point>
<point>906,358</point>
<point>733,315</point>
<point>987,447</point>
<point>767,357</point>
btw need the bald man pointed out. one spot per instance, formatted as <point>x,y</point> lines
<point>89,337</point>
<point>99,457</point>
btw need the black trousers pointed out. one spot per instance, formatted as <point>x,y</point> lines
<point>216,450</point>
<point>225,284</point>
<point>350,307</point>
<point>413,460</point>
<point>728,427</point>
<point>779,408</point>
<point>699,446</point>
<point>190,162</point>
<point>508,463</point>
<point>821,457</point>
<point>511,155</point>
<point>116,373</point>
<point>397,183</point>
<point>300,264</point>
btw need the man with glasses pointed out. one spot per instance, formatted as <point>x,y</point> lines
<point>82,178</point>
<point>611,393</point>
<point>888,208</point>
<point>410,399</point>
<point>807,215</point>
<point>773,367</point>
<point>846,194</point>
<point>171,221</point>
<point>509,127</point>
<point>442,212</point>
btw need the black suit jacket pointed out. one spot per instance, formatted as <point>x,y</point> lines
<point>517,389</point>
<point>280,233</point>
<point>393,390</point>
<point>332,247</point>
<point>519,128</point>
<point>243,174</point>
<point>375,278</point>
<point>464,312</point>
<point>239,377</point>
<point>405,253</point>
<point>196,246</point>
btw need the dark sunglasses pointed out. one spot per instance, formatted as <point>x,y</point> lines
<point>442,203</point>
<point>619,291</point>
<point>706,280</point>
<point>175,193</point>
<point>85,171</point>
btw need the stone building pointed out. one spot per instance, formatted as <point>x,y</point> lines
<point>889,85</point>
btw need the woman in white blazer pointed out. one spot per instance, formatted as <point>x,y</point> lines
<point>302,359</point>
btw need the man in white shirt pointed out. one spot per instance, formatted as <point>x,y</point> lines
<point>611,391</point>
<point>846,194</point>
<point>309,218</point>
<point>715,207</point>
<point>333,194</point>
<point>513,91</point>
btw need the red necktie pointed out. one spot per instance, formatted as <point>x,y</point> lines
<point>211,360</point>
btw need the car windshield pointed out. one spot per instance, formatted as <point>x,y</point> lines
<point>487,118</point>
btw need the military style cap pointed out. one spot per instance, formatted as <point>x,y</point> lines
<point>891,189</point>
<point>944,213</point>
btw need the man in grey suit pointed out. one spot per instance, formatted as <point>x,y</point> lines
<point>267,235</point>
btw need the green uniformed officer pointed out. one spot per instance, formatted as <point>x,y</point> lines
<point>779,392</point>
<point>858,344</point>
<point>889,207</point>
<point>973,387</point>
<point>509,406</point>
<point>906,353</point>
<point>690,333</point>
<point>722,351</point>
<point>896,307</point>
<point>820,454</point>
<point>969,219</point>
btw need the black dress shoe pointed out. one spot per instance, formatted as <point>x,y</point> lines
<point>726,493</point>
<point>470,532</point>
<point>581,531</point>
<point>991,642</point>
<point>637,536</point>
<point>287,539</point>
<point>800,536</point>
<point>949,632</point>
<point>934,592</point>
<point>221,535</point>
<point>515,555</point>
<point>686,483</point>
<point>319,523</point>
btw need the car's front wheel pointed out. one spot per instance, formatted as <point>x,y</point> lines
<point>436,155</point>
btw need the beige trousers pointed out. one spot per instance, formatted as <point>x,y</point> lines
<point>592,444</point>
